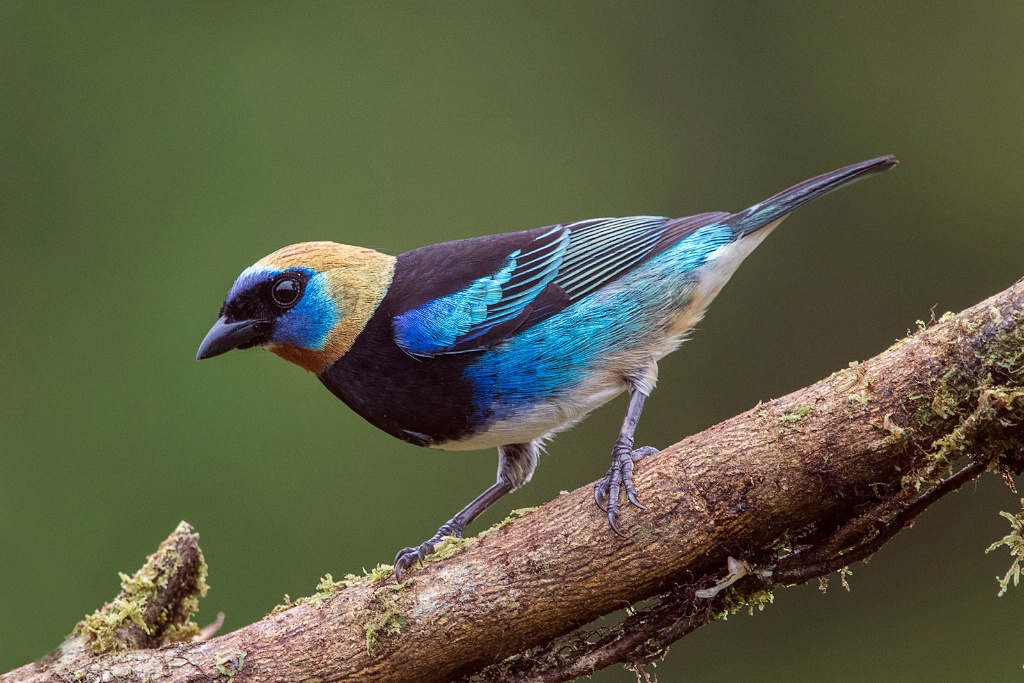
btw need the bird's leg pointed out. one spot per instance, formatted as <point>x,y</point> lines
<point>620,475</point>
<point>516,463</point>
<point>453,527</point>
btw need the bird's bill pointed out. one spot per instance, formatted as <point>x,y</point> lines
<point>226,336</point>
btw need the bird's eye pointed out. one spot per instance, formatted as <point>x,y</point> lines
<point>286,292</point>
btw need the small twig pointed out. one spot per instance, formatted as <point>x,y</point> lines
<point>211,629</point>
<point>791,570</point>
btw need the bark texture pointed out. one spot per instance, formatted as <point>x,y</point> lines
<point>797,488</point>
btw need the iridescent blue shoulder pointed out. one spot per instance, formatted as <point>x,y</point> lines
<point>500,285</point>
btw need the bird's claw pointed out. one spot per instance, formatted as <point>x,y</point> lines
<point>618,479</point>
<point>407,557</point>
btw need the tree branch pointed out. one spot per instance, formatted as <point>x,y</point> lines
<point>795,488</point>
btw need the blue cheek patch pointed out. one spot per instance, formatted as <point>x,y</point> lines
<point>310,322</point>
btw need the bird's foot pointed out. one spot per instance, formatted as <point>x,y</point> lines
<point>406,557</point>
<point>619,478</point>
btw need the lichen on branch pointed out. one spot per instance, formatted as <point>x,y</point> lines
<point>156,603</point>
<point>1015,542</point>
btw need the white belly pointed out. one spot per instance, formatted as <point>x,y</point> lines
<point>544,420</point>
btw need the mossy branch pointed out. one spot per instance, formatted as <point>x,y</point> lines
<point>155,603</point>
<point>793,489</point>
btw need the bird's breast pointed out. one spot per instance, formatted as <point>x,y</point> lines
<point>425,401</point>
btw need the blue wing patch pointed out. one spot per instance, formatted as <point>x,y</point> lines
<point>452,323</point>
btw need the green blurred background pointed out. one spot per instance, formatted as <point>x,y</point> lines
<point>150,151</point>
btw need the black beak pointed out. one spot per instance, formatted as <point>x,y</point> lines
<point>226,336</point>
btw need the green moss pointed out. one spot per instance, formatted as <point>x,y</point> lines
<point>452,545</point>
<point>897,437</point>
<point>736,600</point>
<point>448,547</point>
<point>110,627</point>
<point>981,431</point>
<point>328,587</point>
<point>378,573</point>
<point>940,398</point>
<point>518,513</point>
<point>1015,542</point>
<point>860,399</point>
<point>1004,353</point>
<point>103,627</point>
<point>799,414</point>
<point>945,452</point>
<point>229,663</point>
<point>283,607</point>
<point>181,633</point>
<point>948,394</point>
<point>325,590</point>
<point>983,397</point>
<point>386,619</point>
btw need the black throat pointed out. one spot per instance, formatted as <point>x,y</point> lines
<point>425,401</point>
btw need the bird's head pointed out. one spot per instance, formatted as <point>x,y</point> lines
<point>307,303</point>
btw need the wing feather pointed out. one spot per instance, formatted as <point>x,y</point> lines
<point>553,270</point>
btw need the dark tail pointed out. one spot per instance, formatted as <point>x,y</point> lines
<point>774,208</point>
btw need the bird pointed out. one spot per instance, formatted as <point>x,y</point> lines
<point>502,341</point>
